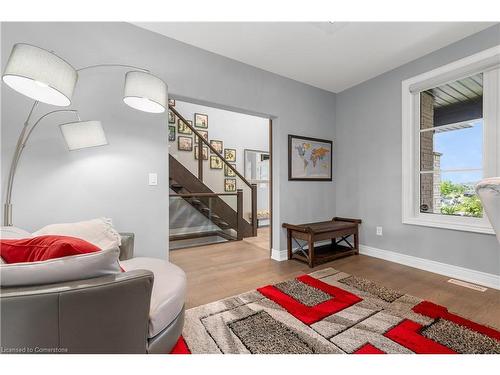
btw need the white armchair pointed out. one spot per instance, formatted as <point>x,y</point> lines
<point>488,191</point>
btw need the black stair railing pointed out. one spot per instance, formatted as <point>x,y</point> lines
<point>201,142</point>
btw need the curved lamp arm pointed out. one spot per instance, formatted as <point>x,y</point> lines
<point>26,132</point>
<point>21,143</point>
<point>112,66</point>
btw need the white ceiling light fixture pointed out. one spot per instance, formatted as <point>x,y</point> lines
<point>145,92</point>
<point>83,134</point>
<point>40,74</point>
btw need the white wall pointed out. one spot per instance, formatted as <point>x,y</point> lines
<point>237,131</point>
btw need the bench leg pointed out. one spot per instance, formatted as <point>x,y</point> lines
<point>289,243</point>
<point>311,251</point>
<point>356,241</point>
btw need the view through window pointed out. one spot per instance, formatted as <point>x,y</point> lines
<point>451,147</point>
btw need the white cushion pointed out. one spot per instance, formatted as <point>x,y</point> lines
<point>169,290</point>
<point>74,267</point>
<point>14,233</point>
<point>99,232</point>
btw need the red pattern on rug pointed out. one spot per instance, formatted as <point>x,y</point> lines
<point>407,334</point>
<point>369,349</point>
<point>341,299</point>
<point>180,347</point>
<point>436,311</point>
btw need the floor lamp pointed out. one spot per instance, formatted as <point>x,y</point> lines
<point>45,77</point>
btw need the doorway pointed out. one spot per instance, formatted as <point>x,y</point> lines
<point>204,206</point>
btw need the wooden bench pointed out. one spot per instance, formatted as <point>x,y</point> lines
<point>338,230</point>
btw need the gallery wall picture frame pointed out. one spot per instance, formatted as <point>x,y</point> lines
<point>309,159</point>
<point>171,133</point>
<point>218,145</point>
<point>183,128</point>
<point>201,120</point>
<point>215,162</point>
<point>171,102</point>
<point>171,117</point>
<point>184,143</point>
<point>204,150</point>
<point>204,134</point>
<point>230,154</point>
<point>230,185</point>
<point>228,172</point>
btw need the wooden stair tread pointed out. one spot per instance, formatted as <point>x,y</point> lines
<point>188,236</point>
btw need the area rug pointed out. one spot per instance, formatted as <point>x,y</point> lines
<point>331,312</point>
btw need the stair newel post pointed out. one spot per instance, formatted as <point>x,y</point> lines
<point>200,159</point>
<point>254,209</point>
<point>239,213</point>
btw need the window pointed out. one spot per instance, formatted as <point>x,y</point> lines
<point>451,147</point>
<point>450,139</point>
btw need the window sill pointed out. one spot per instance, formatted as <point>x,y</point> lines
<point>444,224</point>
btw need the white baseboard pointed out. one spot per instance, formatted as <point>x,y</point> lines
<point>465,274</point>
<point>279,255</point>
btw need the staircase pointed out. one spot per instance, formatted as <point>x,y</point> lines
<point>216,216</point>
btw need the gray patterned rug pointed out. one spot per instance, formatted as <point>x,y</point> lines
<point>329,311</point>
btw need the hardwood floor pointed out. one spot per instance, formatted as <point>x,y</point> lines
<point>222,270</point>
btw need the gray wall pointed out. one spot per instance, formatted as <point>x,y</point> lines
<point>54,185</point>
<point>368,131</point>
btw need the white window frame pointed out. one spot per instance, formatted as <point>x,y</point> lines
<point>486,62</point>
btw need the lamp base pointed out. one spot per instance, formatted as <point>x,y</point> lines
<point>7,214</point>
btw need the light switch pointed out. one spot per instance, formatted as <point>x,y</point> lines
<point>153,179</point>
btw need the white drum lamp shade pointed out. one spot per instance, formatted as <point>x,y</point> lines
<point>40,75</point>
<point>83,134</point>
<point>145,92</point>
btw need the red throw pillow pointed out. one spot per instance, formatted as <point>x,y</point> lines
<point>43,248</point>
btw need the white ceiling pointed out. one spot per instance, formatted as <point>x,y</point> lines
<point>330,55</point>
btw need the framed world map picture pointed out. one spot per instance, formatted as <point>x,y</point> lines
<point>309,159</point>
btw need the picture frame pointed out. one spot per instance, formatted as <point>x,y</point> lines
<point>204,150</point>
<point>201,120</point>
<point>230,185</point>
<point>183,128</point>
<point>230,154</point>
<point>215,162</point>
<point>309,159</point>
<point>218,145</point>
<point>185,143</point>
<point>171,117</point>
<point>204,134</point>
<point>171,102</point>
<point>171,133</point>
<point>228,172</point>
